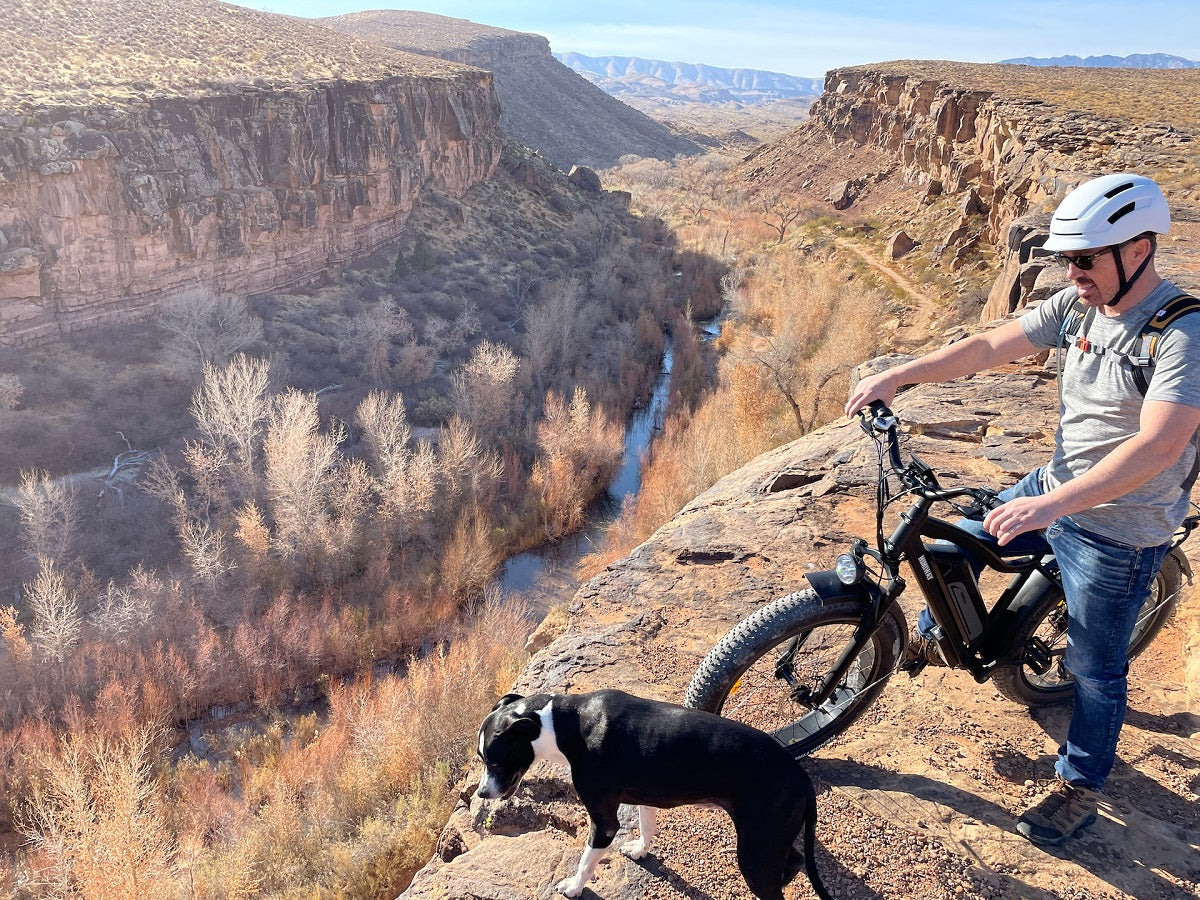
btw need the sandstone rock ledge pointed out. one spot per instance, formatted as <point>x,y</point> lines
<point>918,799</point>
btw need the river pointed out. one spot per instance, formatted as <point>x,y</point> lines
<point>545,576</point>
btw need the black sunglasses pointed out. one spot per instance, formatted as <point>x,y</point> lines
<point>1083,261</point>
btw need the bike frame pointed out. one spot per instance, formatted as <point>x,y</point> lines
<point>969,635</point>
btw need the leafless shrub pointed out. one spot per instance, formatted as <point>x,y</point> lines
<point>55,607</point>
<point>578,449</point>
<point>120,608</point>
<point>95,811</point>
<point>206,550</point>
<point>208,327</point>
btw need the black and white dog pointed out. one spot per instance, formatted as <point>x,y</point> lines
<point>625,749</point>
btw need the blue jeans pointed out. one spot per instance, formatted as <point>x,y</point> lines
<point>1105,583</point>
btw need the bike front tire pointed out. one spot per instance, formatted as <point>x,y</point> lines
<point>756,671</point>
<point>1041,677</point>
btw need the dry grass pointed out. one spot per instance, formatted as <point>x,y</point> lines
<point>113,51</point>
<point>1141,96</point>
<point>348,809</point>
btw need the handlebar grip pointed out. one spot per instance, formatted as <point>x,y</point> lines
<point>878,417</point>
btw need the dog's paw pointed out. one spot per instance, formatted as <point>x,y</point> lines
<point>635,849</point>
<point>570,887</point>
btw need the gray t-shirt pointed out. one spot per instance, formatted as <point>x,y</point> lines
<point>1101,405</point>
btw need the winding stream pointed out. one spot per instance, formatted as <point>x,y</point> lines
<point>541,577</point>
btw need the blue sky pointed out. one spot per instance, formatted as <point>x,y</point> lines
<point>806,37</point>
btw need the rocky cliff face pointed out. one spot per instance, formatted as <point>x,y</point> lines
<point>104,211</point>
<point>1017,154</point>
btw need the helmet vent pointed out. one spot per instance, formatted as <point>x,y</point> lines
<point>1120,188</point>
<point>1122,212</point>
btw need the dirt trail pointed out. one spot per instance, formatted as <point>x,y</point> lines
<point>921,311</point>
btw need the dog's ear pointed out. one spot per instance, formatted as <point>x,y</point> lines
<point>507,699</point>
<point>525,727</point>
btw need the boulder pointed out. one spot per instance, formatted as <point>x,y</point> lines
<point>899,244</point>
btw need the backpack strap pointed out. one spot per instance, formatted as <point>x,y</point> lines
<point>1141,360</point>
<point>1072,322</point>
<point>1171,310</point>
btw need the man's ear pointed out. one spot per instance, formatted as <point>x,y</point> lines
<point>507,699</point>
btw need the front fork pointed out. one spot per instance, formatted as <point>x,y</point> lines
<point>830,588</point>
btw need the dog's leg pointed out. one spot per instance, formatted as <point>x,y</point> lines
<point>647,828</point>
<point>573,886</point>
<point>605,825</point>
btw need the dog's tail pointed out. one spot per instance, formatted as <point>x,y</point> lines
<point>807,859</point>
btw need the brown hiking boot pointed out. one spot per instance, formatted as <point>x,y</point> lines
<point>1066,810</point>
<point>920,652</point>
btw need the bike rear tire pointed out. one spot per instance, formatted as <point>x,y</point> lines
<point>740,678</point>
<point>1023,684</point>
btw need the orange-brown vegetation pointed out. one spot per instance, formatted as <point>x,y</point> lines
<point>349,806</point>
<point>795,322</point>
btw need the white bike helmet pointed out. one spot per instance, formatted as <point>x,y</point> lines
<point>1108,210</point>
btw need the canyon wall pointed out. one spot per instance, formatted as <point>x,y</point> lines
<point>1005,157</point>
<point>105,211</point>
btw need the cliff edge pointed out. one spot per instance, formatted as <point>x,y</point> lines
<point>918,798</point>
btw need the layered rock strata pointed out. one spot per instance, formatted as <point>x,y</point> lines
<point>105,211</point>
<point>1017,154</point>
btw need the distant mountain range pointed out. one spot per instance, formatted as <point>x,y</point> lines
<point>692,83</point>
<point>1134,61</point>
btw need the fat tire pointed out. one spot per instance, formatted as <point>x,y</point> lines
<point>772,626</point>
<point>1019,684</point>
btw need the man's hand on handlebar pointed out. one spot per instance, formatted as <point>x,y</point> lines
<point>873,387</point>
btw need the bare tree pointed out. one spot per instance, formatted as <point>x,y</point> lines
<point>11,390</point>
<point>781,210</point>
<point>556,332</point>
<point>206,550</point>
<point>386,432</point>
<point>447,335</point>
<point>49,512</point>
<point>298,461</point>
<point>484,390</point>
<point>230,409</point>
<point>209,327</point>
<point>373,334</point>
<point>55,607</point>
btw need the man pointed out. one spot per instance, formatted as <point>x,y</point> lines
<point>1119,481</point>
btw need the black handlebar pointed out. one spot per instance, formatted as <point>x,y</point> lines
<point>878,419</point>
<point>881,424</point>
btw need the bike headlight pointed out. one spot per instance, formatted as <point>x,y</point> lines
<point>848,569</point>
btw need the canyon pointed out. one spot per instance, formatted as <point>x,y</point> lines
<point>917,799</point>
